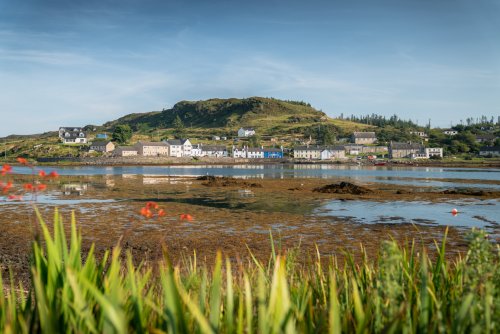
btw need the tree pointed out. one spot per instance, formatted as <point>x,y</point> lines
<point>179,128</point>
<point>122,133</point>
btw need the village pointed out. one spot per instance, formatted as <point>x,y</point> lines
<point>359,145</point>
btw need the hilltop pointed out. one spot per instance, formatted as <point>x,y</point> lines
<point>269,116</point>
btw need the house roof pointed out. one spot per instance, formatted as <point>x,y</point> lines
<point>70,128</point>
<point>486,136</point>
<point>490,149</point>
<point>147,143</point>
<point>319,148</point>
<point>175,141</point>
<point>213,148</point>
<point>247,129</point>
<point>364,135</point>
<point>125,148</point>
<point>272,149</point>
<point>100,142</point>
<point>406,146</point>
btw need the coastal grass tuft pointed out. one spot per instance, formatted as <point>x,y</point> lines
<point>403,290</point>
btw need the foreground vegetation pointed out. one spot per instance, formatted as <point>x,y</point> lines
<point>402,291</point>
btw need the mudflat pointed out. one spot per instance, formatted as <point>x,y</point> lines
<point>232,215</point>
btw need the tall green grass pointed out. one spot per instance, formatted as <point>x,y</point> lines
<point>403,291</point>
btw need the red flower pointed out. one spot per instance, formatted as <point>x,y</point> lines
<point>153,205</point>
<point>22,161</point>
<point>28,187</point>
<point>42,173</point>
<point>53,174</point>
<point>161,213</point>
<point>41,187</point>
<point>6,169</point>
<point>146,212</point>
<point>7,187</point>
<point>15,197</point>
<point>186,216</point>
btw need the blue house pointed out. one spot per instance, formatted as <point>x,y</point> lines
<point>273,153</point>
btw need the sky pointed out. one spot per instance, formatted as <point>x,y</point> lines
<point>73,63</point>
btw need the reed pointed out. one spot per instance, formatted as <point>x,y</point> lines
<point>402,291</point>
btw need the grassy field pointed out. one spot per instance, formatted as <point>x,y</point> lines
<point>404,290</point>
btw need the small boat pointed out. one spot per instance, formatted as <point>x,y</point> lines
<point>380,163</point>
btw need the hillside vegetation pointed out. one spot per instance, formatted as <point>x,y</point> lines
<point>224,116</point>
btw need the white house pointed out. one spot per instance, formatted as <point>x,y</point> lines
<point>255,153</point>
<point>196,150</point>
<point>213,151</point>
<point>246,132</point>
<point>332,152</point>
<point>239,152</point>
<point>72,135</point>
<point>179,147</point>
<point>450,132</point>
<point>433,152</point>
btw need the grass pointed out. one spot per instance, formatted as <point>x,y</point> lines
<point>403,290</point>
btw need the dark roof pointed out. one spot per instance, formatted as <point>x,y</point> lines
<point>100,143</point>
<point>320,148</point>
<point>272,149</point>
<point>148,143</point>
<point>175,141</point>
<point>213,148</point>
<point>486,136</point>
<point>70,128</point>
<point>364,135</point>
<point>126,148</point>
<point>406,146</point>
<point>490,149</point>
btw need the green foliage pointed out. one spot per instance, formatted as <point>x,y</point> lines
<point>122,133</point>
<point>179,128</point>
<point>404,291</point>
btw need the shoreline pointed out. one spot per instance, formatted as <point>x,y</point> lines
<point>226,161</point>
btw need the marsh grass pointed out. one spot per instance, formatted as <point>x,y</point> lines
<point>403,290</point>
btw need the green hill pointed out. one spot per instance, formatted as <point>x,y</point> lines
<point>270,117</point>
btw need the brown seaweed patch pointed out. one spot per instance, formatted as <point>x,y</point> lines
<point>217,181</point>
<point>343,188</point>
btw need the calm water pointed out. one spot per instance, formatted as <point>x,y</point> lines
<point>471,212</point>
<point>415,176</point>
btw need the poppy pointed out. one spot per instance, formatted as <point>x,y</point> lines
<point>186,216</point>
<point>22,161</point>
<point>151,205</point>
<point>15,197</point>
<point>42,173</point>
<point>161,213</point>
<point>146,212</point>
<point>28,187</point>
<point>41,187</point>
<point>6,169</point>
<point>53,174</point>
<point>7,187</point>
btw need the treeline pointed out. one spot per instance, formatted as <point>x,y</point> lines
<point>381,121</point>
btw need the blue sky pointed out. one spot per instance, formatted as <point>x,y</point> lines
<point>86,62</point>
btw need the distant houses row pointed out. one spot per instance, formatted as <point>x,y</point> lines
<point>363,144</point>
